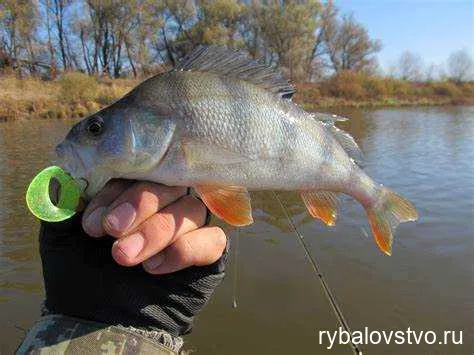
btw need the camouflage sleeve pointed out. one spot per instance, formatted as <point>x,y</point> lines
<point>59,334</point>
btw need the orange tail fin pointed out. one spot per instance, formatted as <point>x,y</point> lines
<point>384,216</point>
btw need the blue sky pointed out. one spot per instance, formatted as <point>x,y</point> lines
<point>433,29</point>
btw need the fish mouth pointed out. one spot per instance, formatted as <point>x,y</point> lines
<point>78,162</point>
<point>90,178</point>
<point>73,164</point>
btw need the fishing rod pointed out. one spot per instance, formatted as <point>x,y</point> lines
<point>317,272</point>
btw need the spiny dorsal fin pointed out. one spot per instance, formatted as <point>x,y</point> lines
<point>236,64</point>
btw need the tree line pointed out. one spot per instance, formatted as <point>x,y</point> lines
<point>307,39</point>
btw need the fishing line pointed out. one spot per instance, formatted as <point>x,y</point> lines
<point>236,268</point>
<point>317,271</point>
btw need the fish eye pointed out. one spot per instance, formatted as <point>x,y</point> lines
<point>95,126</point>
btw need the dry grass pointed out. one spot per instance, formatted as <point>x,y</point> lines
<point>357,89</point>
<point>72,95</point>
<point>77,95</point>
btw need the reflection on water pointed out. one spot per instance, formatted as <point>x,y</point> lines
<point>267,210</point>
<point>426,154</point>
<point>25,148</point>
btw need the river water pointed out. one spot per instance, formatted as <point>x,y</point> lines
<point>425,154</point>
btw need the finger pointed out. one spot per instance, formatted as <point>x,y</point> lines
<point>200,247</point>
<point>94,212</point>
<point>160,230</point>
<point>135,205</point>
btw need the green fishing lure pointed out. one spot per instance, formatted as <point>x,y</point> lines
<point>39,201</point>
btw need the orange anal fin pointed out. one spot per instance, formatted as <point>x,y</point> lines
<point>321,205</point>
<point>230,203</point>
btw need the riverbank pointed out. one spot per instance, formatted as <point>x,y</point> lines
<point>73,95</point>
<point>76,95</point>
<point>349,89</point>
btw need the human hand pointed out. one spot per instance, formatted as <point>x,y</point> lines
<point>156,225</point>
<point>83,277</point>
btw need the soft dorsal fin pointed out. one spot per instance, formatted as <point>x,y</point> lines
<point>328,118</point>
<point>236,64</point>
<point>348,143</point>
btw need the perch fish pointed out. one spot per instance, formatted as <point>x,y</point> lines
<point>225,124</point>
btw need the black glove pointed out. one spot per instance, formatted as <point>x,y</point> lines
<point>82,280</point>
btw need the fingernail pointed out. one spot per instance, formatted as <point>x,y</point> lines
<point>154,262</point>
<point>120,218</point>
<point>131,245</point>
<point>93,222</point>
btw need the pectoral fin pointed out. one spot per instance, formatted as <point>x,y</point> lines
<point>321,205</point>
<point>230,203</point>
<point>198,152</point>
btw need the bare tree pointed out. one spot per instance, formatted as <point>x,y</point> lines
<point>220,21</point>
<point>347,42</point>
<point>287,32</point>
<point>432,72</point>
<point>113,37</point>
<point>46,4</point>
<point>460,66</point>
<point>410,66</point>
<point>18,41</point>
<point>58,8</point>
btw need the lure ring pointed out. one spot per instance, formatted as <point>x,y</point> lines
<point>39,201</point>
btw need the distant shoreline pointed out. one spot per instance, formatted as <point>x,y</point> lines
<point>329,102</point>
<point>77,95</point>
<point>357,90</point>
